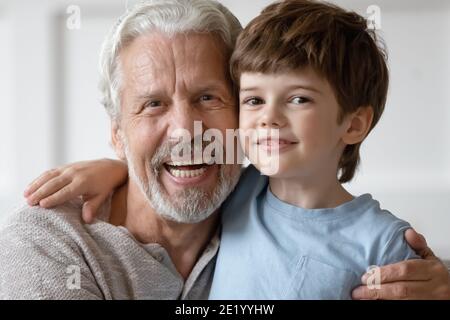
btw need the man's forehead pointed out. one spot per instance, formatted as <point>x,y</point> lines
<point>155,50</point>
<point>155,61</point>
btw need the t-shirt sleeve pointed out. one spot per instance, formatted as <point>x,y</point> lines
<point>397,248</point>
<point>38,262</point>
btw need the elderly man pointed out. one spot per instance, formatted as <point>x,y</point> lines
<point>164,66</point>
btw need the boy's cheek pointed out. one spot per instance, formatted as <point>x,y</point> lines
<point>246,120</point>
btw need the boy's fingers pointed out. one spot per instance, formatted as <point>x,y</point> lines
<point>57,198</point>
<point>87,215</point>
<point>38,182</point>
<point>91,208</point>
<point>49,188</point>
<point>410,270</point>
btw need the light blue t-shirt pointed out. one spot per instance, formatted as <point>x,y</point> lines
<point>272,250</point>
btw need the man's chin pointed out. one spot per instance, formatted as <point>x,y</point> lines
<point>189,219</point>
<point>189,197</point>
<point>186,206</point>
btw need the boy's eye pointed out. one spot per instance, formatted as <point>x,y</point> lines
<point>300,100</point>
<point>253,101</point>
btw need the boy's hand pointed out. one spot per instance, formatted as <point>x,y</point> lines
<point>91,180</point>
<point>426,279</point>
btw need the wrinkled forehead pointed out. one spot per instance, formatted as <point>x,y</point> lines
<point>183,58</point>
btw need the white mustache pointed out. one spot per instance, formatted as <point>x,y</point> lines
<point>166,154</point>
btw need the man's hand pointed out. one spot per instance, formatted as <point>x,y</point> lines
<point>426,279</point>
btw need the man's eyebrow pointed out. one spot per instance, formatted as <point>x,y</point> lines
<point>149,94</point>
<point>161,93</point>
<point>211,87</point>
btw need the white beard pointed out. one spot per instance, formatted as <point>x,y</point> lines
<point>189,206</point>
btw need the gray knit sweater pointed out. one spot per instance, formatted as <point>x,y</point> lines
<point>51,254</point>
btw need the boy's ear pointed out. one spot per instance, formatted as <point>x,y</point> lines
<point>358,125</point>
<point>116,140</point>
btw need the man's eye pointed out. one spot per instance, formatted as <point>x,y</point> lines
<point>153,104</point>
<point>207,97</point>
<point>300,100</point>
<point>253,101</point>
<point>210,101</point>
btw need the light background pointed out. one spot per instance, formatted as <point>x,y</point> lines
<point>50,112</point>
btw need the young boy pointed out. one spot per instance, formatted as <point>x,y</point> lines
<point>314,74</point>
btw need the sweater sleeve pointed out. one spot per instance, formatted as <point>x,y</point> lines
<point>39,261</point>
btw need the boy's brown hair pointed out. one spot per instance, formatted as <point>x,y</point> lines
<point>292,34</point>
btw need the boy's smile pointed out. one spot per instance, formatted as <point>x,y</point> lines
<point>274,144</point>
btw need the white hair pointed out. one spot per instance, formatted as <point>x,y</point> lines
<point>169,17</point>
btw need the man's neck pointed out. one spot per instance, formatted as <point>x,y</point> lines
<point>184,243</point>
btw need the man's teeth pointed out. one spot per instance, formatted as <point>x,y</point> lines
<point>186,173</point>
<point>181,163</point>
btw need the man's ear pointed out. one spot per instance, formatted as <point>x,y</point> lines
<point>358,125</point>
<point>117,140</point>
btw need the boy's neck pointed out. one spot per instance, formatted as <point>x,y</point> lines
<point>310,193</point>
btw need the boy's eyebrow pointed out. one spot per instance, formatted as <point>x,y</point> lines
<point>289,87</point>
<point>304,87</point>
<point>248,89</point>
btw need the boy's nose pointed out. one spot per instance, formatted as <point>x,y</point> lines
<point>273,118</point>
<point>272,124</point>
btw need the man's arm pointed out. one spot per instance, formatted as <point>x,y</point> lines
<point>425,279</point>
<point>39,261</point>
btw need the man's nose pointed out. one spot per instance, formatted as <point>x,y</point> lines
<point>184,121</point>
<point>273,117</point>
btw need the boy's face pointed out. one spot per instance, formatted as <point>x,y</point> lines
<point>303,107</point>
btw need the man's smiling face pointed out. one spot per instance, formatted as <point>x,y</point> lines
<point>167,84</point>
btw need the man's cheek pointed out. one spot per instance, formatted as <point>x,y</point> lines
<point>144,132</point>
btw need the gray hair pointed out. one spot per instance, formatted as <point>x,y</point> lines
<point>169,17</point>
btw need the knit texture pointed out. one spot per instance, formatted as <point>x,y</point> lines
<point>51,254</point>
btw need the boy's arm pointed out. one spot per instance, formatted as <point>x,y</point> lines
<point>92,180</point>
<point>419,279</point>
